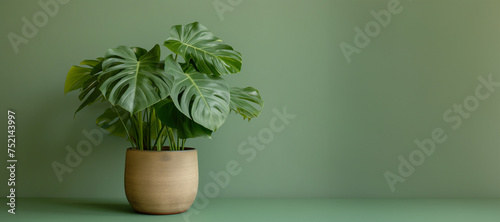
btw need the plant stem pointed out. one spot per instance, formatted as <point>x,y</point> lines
<point>178,143</point>
<point>159,138</point>
<point>172,144</point>
<point>183,142</point>
<point>148,136</point>
<point>165,140</point>
<point>172,139</point>
<point>139,123</point>
<point>133,122</point>
<point>145,132</point>
<point>124,126</point>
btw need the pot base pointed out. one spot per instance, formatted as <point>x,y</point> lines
<point>161,213</point>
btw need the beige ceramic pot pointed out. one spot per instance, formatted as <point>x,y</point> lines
<point>161,182</point>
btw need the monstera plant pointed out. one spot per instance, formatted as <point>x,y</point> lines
<point>155,103</point>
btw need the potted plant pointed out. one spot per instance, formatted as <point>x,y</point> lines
<point>158,104</point>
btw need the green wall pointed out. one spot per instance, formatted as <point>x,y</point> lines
<point>352,120</point>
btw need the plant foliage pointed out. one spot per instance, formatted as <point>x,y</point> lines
<point>152,101</point>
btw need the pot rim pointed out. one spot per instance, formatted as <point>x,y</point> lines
<point>186,149</point>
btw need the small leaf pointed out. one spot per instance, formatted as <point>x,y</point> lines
<point>77,75</point>
<point>173,118</point>
<point>110,121</point>
<point>86,80</point>
<point>246,102</point>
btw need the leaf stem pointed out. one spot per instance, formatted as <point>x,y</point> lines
<point>173,146</point>
<point>139,123</point>
<point>124,126</point>
<point>148,136</point>
<point>133,122</point>
<point>165,140</point>
<point>159,138</point>
<point>178,142</point>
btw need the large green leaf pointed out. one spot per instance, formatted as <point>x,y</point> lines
<point>211,56</point>
<point>202,98</point>
<point>138,82</point>
<point>173,118</point>
<point>246,102</point>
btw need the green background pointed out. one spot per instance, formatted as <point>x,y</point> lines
<point>352,121</point>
